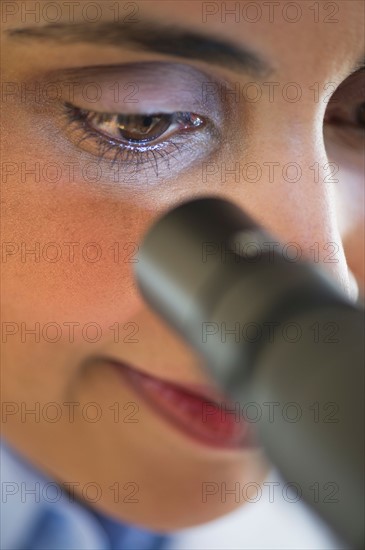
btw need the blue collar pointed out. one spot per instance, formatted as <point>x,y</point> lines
<point>30,520</point>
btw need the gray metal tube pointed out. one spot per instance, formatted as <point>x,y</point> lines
<point>207,269</point>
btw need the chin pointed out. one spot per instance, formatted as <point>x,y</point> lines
<point>170,505</point>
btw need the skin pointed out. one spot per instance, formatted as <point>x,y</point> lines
<point>167,466</point>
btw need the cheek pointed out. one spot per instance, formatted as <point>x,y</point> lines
<point>70,257</point>
<point>68,283</point>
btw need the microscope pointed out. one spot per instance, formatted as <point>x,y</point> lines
<point>206,267</point>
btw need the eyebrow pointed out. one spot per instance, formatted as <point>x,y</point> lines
<point>172,40</point>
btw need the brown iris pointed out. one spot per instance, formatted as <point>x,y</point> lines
<point>141,127</point>
<point>131,128</point>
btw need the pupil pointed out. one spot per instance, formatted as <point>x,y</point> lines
<point>147,121</point>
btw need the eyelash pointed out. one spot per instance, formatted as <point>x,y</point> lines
<point>132,154</point>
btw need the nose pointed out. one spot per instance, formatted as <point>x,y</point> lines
<point>281,176</point>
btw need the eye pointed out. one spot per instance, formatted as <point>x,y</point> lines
<point>345,114</point>
<point>136,140</point>
<point>140,129</point>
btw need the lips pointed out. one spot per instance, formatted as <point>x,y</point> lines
<point>202,414</point>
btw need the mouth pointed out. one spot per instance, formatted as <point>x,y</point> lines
<point>200,413</point>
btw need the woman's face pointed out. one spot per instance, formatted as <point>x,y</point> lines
<point>271,121</point>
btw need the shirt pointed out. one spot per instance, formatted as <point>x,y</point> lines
<point>34,515</point>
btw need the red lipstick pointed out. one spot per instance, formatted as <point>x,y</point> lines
<point>201,414</point>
